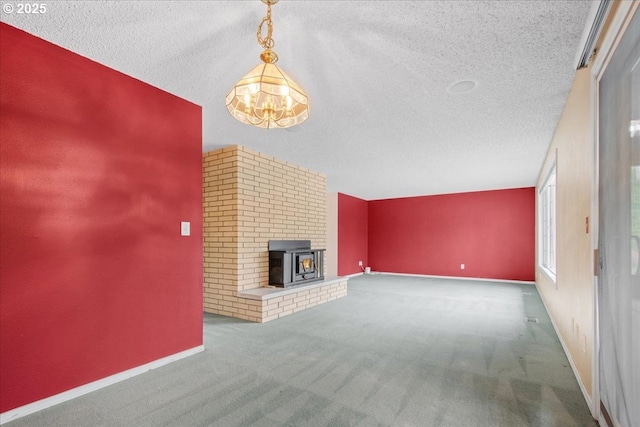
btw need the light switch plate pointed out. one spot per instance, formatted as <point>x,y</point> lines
<point>185,228</point>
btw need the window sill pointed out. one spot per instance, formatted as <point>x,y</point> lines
<point>550,275</point>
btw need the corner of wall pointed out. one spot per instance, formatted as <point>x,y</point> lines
<point>331,257</point>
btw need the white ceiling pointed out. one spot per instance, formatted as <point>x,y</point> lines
<point>382,122</point>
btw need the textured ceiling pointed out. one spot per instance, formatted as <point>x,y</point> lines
<point>382,122</point>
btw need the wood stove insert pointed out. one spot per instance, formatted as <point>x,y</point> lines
<point>293,262</point>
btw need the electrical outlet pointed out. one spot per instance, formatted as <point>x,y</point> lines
<point>359,263</point>
<point>461,266</point>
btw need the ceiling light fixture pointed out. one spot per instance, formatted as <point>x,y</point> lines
<point>267,97</point>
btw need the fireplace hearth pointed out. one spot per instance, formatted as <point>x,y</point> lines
<point>293,262</point>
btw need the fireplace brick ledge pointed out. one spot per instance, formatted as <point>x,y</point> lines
<point>279,302</point>
<point>273,292</point>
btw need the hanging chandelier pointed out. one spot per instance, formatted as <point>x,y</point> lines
<point>267,97</point>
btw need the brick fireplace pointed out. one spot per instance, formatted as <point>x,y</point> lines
<point>250,198</point>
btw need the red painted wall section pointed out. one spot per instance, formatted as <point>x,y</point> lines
<point>353,245</point>
<point>97,171</point>
<point>491,232</point>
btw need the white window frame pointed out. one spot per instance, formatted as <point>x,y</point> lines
<point>547,215</point>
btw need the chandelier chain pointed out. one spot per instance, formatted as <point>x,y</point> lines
<point>267,42</point>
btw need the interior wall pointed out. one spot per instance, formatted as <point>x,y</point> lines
<point>353,234</point>
<point>568,299</point>
<point>97,172</point>
<point>491,232</point>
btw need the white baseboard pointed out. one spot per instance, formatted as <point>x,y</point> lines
<point>481,279</point>
<point>583,389</point>
<point>48,402</point>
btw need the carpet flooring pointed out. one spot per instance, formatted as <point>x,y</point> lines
<point>397,351</point>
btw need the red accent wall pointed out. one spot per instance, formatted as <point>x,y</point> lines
<point>353,234</point>
<point>491,232</point>
<point>97,171</point>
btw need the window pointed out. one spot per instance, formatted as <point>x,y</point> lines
<point>547,218</point>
